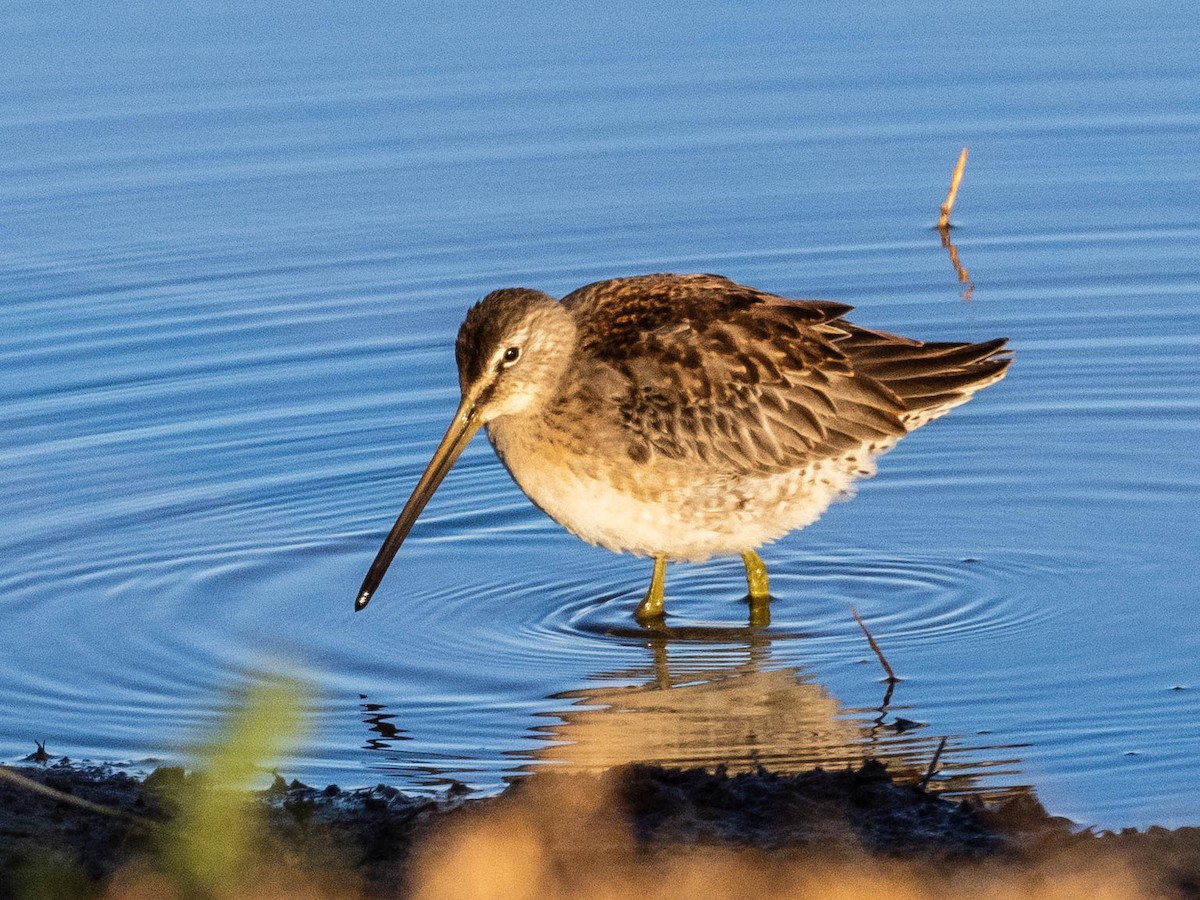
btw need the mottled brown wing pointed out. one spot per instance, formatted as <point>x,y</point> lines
<point>706,369</point>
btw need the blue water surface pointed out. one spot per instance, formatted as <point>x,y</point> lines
<point>236,241</point>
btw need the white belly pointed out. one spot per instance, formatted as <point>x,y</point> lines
<point>682,519</point>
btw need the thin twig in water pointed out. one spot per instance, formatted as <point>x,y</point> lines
<point>933,764</point>
<point>874,646</point>
<point>944,226</point>
<point>956,179</point>
<point>37,787</point>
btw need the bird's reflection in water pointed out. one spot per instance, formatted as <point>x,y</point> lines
<point>380,723</point>
<point>708,697</point>
<point>729,707</point>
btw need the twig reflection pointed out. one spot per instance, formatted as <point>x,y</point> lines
<point>944,226</point>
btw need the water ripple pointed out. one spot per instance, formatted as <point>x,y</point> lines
<point>230,302</point>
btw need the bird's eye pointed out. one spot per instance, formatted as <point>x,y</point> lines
<point>511,355</point>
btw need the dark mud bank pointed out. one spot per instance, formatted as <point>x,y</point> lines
<point>94,825</point>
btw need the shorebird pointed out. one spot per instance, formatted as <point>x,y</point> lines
<point>681,417</point>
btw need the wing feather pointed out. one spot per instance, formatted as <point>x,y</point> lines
<point>748,382</point>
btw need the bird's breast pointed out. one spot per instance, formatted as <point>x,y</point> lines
<point>595,490</point>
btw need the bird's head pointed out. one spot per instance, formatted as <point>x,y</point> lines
<point>513,349</point>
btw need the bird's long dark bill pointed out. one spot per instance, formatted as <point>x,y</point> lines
<point>458,435</point>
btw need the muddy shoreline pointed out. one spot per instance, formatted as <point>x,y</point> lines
<point>568,835</point>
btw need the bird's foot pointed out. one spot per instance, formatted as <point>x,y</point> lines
<point>651,610</point>
<point>649,614</point>
<point>760,611</point>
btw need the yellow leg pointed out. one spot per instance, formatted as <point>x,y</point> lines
<point>650,610</point>
<point>756,576</point>
<point>760,589</point>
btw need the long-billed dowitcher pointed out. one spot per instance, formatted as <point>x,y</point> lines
<point>686,416</point>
